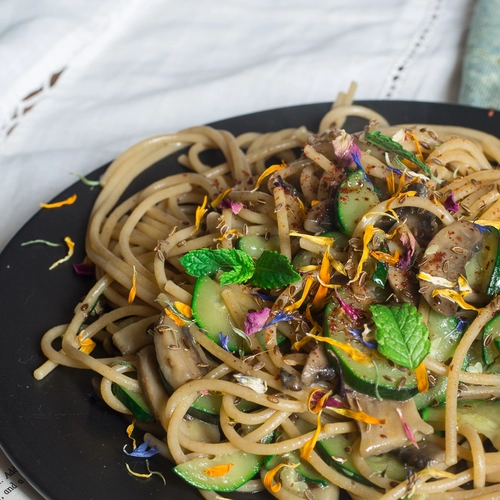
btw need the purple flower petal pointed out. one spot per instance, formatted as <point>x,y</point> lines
<point>255,321</point>
<point>84,269</point>
<point>353,312</point>
<point>142,450</point>
<point>450,204</point>
<point>410,244</point>
<point>346,150</point>
<point>235,207</point>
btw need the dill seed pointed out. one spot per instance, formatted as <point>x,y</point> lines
<point>487,340</point>
<point>446,265</point>
<point>84,307</point>
<point>160,255</point>
<point>224,229</point>
<point>389,378</point>
<point>434,403</point>
<point>401,383</point>
<point>276,350</point>
<point>363,278</point>
<point>348,450</point>
<point>280,303</point>
<point>432,379</point>
<point>308,494</point>
<point>267,236</point>
<point>169,361</point>
<point>278,207</point>
<point>458,250</point>
<point>462,387</point>
<point>244,230</point>
<point>185,344</point>
<point>173,347</point>
<point>433,134</point>
<point>237,400</point>
<point>230,236</point>
<point>402,199</point>
<point>474,182</point>
<point>340,460</point>
<point>437,161</point>
<point>273,399</point>
<point>425,145</point>
<point>290,362</point>
<point>466,405</point>
<point>292,289</point>
<point>181,243</point>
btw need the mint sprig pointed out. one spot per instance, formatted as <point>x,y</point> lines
<point>272,269</point>
<point>237,265</point>
<point>401,334</point>
<point>388,144</point>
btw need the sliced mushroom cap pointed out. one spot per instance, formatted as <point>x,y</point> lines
<point>180,358</point>
<point>426,455</point>
<point>317,366</point>
<point>446,257</point>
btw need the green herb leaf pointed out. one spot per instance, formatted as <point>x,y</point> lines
<point>273,270</point>
<point>401,334</point>
<point>388,144</point>
<point>237,265</point>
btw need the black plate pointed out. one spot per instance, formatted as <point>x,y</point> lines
<point>64,443</point>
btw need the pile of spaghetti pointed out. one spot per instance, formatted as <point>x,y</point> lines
<point>316,313</point>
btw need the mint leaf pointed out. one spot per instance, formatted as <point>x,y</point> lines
<point>391,146</point>
<point>238,266</point>
<point>401,335</point>
<point>273,270</point>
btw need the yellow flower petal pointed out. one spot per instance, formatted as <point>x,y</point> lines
<point>268,171</point>
<point>219,198</point>
<point>455,297</point>
<point>491,223</point>
<point>130,430</point>
<point>58,204</point>
<point>218,470</point>
<point>269,477</point>
<point>308,448</point>
<point>184,309</point>
<point>305,291</point>
<point>86,345</point>
<point>370,232</point>
<point>176,319</point>
<point>354,353</point>
<point>422,379</point>
<point>392,260</point>
<point>359,416</point>
<point>200,212</point>
<point>133,288</point>
<point>323,277</point>
<point>320,240</point>
<point>417,145</point>
<point>435,280</point>
<point>71,250</point>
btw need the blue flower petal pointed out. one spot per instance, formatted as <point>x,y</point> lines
<point>142,450</point>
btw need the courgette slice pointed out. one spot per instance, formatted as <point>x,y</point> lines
<point>212,315</point>
<point>445,333</point>
<point>242,467</point>
<point>306,470</point>
<point>484,416</point>
<point>254,244</point>
<point>354,198</point>
<point>483,269</point>
<point>380,378</point>
<point>133,401</point>
<point>491,338</point>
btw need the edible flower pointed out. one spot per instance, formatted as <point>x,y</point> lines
<point>370,232</point>
<point>324,277</point>
<point>234,206</point>
<point>142,450</point>
<point>359,335</point>
<point>87,182</point>
<point>268,171</point>
<point>71,250</point>
<point>354,353</point>
<point>296,305</point>
<point>346,150</point>
<point>133,289</point>
<point>354,313</point>
<point>218,470</point>
<point>435,280</point>
<point>200,212</point>
<point>408,432</point>
<point>417,145</point>
<point>129,431</point>
<point>145,476</point>
<point>269,477</point>
<point>255,321</point>
<point>86,345</point>
<point>215,203</point>
<point>392,260</point>
<point>84,269</point>
<point>422,379</point>
<point>181,314</point>
<point>450,204</point>
<point>458,297</point>
<point>320,240</point>
<point>256,384</point>
<point>224,341</point>
<point>410,244</point>
<point>58,204</point>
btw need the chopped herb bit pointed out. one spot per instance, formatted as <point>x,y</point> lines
<point>86,181</point>
<point>42,242</point>
<point>58,204</point>
<point>401,334</point>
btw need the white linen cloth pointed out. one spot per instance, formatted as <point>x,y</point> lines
<point>130,69</point>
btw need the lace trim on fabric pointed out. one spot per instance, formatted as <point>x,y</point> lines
<point>417,45</point>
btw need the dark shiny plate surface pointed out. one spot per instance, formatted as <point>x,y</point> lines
<point>60,439</point>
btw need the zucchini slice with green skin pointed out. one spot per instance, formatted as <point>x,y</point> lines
<point>491,338</point>
<point>242,467</point>
<point>133,401</point>
<point>483,415</point>
<point>354,198</point>
<point>445,334</point>
<point>254,244</point>
<point>336,451</point>
<point>434,395</point>
<point>211,314</point>
<point>380,378</point>
<point>307,471</point>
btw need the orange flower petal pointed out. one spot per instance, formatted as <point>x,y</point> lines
<point>269,477</point>
<point>58,204</point>
<point>268,171</point>
<point>354,353</point>
<point>422,379</point>
<point>133,288</point>
<point>218,470</point>
<point>71,250</point>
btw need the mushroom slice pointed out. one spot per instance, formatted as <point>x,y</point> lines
<point>317,367</point>
<point>446,257</point>
<point>180,358</point>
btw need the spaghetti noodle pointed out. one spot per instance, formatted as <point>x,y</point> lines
<point>360,220</point>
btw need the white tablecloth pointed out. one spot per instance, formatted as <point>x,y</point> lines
<point>130,69</point>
